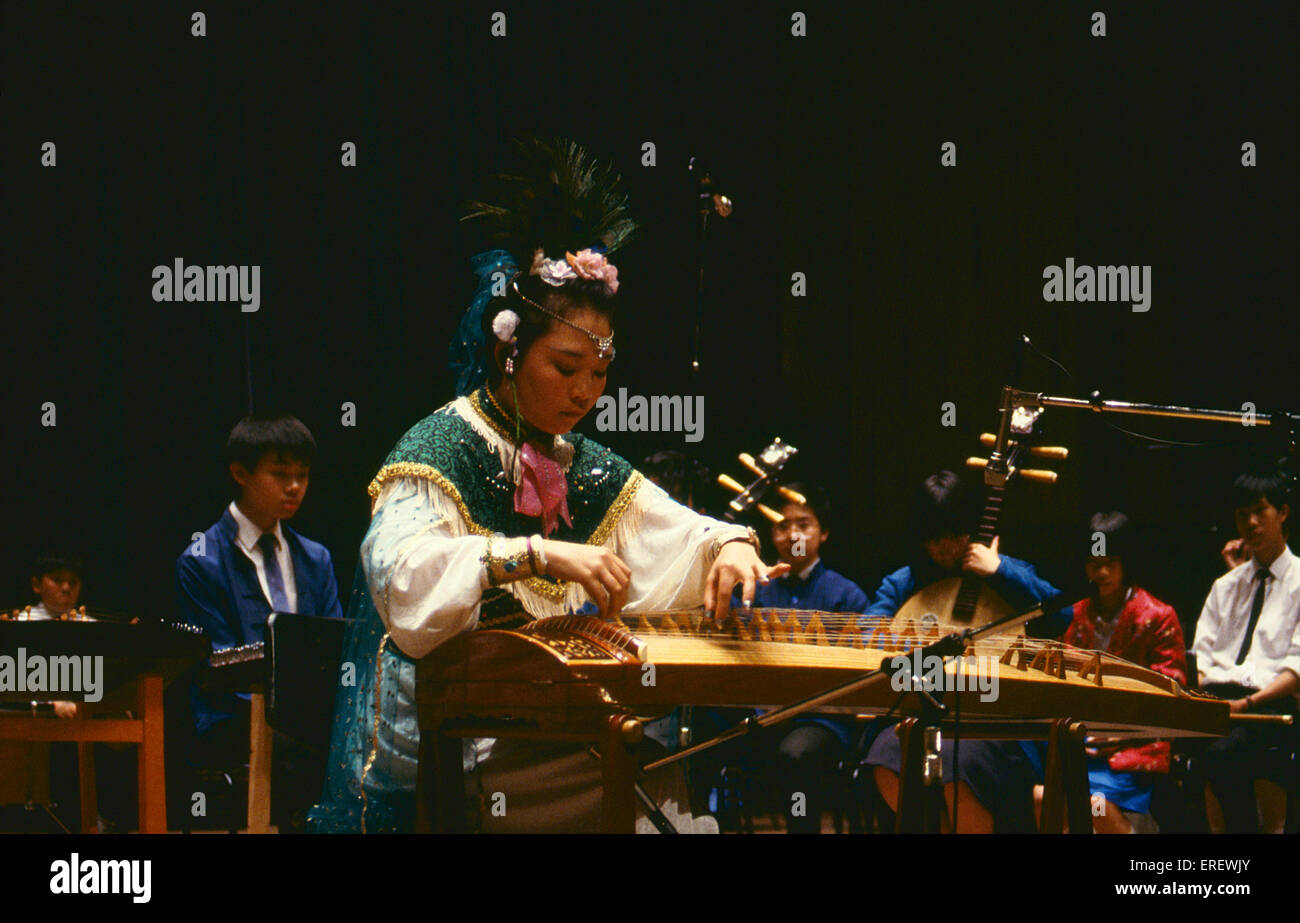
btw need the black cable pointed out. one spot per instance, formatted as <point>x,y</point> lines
<point>956,750</point>
<point>1120,429</point>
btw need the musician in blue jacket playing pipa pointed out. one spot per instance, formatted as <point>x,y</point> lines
<point>994,778</point>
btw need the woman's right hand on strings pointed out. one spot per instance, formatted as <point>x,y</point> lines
<point>597,570</point>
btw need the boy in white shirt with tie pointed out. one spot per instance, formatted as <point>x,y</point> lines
<point>1248,651</point>
<point>251,563</point>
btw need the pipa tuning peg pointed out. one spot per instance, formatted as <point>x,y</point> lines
<point>1040,475</point>
<point>1057,452</point>
<point>793,496</point>
<point>731,483</point>
<point>748,461</point>
<point>770,513</point>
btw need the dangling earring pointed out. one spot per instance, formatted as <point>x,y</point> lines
<point>510,360</point>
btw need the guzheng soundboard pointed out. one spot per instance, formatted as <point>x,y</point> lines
<point>645,664</point>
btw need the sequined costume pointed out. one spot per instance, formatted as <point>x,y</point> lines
<point>444,489</point>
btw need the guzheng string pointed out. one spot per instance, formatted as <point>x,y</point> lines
<point>844,630</point>
<point>805,626</point>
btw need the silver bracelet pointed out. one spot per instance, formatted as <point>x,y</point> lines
<point>535,542</point>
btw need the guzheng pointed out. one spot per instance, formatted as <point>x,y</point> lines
<point>128,649</point>
<point>139,661</point>
<point>564,670</point>
<point>236,669</point>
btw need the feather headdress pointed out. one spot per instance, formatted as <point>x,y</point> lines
<point>559,198</point>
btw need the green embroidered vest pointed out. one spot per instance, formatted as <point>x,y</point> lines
<point>446,449</point>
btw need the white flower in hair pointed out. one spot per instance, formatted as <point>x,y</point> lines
<point>553,272</point>
<point>504,325</point>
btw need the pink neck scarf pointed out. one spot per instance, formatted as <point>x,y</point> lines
<point>543,491</point>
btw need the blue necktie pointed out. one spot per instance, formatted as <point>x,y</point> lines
<point>1256,607</point>
<point>274,579</point>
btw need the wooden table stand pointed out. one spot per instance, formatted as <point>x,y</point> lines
<point>146,731</point>
<point>1065,773</point>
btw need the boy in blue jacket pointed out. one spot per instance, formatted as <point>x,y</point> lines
<point>248,564</point>
<point>801,756</point>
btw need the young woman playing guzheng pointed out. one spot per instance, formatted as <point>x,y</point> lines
<point>492,492</point>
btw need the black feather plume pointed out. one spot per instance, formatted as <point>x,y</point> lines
<point>557,197</point>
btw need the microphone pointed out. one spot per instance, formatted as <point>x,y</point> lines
<point>709,197</point>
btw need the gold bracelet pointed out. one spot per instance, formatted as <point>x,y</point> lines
<point>750,536</point>
<point>508,561</point>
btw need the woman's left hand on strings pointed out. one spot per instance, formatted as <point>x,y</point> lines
<point>737,562</point>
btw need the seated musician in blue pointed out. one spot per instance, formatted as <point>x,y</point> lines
<point>800,757</point>
<point>995,776</point>
<point>941,521</point>
<point>250,563</point>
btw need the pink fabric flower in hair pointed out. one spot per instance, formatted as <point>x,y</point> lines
<point>543,491</point>
<point>592,265</point>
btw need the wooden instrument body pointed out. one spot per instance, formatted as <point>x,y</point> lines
<point>569,679</point>
<point>967,601</point>
<point>586,681</point>
<point>937,604</point>
<point>128,650</point>
<point>139,660</point>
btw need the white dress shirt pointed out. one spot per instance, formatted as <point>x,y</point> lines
<point>803,574</point>
<point>247,538</point>
<point>1221,628</point>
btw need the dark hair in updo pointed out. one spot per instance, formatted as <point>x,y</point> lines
<point>572,296</point>
<point>557,197</point>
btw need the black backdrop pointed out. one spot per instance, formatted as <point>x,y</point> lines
<point>226,150</point>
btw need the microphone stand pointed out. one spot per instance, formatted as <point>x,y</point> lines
<point>1033,402</point>
<point>708,201</point>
